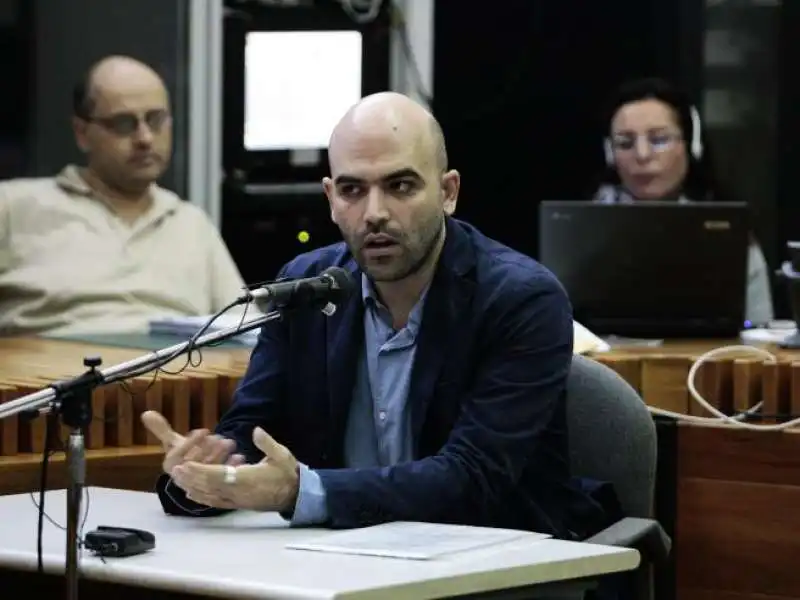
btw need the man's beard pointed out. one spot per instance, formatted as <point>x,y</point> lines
<point>410,262</point>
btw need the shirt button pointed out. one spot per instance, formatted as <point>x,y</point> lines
<point>382,415</point>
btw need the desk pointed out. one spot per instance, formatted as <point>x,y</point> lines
<point>243,555</point>
<point>732,494</point>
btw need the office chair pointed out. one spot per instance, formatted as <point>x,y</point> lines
<point>612,438</point>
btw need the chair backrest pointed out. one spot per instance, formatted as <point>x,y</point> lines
<point>612,435</point>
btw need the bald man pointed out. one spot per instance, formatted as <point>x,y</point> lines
<point>434,394</point>
<point>103,248</point>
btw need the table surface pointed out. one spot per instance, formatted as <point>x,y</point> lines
<point>243,555</point>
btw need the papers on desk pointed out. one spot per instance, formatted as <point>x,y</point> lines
<point>584,341</point>
<point>763,335</point>
<point>616,341</point>
<point>186,327</point>
<point>413,541</point>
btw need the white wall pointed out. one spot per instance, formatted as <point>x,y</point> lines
<point>204,141</point>
<point>419,26</point>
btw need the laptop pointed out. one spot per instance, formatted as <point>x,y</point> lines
<point>650,269</point>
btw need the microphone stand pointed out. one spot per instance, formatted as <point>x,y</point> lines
<point>72,400</point>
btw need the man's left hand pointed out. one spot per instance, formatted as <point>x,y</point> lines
<point>271,485</point>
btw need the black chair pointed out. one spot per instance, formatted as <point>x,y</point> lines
<point>612,438</point>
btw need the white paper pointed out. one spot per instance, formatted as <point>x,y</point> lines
<point>186,327</point>
<point>413,541</point>
<point>763,335</point>
<point>584,341</point>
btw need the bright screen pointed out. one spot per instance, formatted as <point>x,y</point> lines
<point>298,84</point>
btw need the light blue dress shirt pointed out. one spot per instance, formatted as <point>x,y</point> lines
<point>378,428</point>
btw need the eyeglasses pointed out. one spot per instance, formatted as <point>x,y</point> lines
<point>658,142</point>
<point>125,124</point>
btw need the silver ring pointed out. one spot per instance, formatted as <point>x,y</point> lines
<point>230,474</point>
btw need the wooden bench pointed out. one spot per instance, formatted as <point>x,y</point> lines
<point>121,453</point>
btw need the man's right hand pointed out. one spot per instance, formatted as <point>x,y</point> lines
<point>197,446</point>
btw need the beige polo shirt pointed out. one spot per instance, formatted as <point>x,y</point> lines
<point>69,265</point>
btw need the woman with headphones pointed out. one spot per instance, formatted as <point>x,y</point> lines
<point>655,151</point>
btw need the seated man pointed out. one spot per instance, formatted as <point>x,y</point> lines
<point>103,248</point>
<point>435,393</point>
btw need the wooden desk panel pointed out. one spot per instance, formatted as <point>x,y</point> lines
<point>736,382</point>
<point>738,527</point>
<point>133,468</point>
<point>121,453</point>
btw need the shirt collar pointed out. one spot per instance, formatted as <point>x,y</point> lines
<point>70,180</point>
<point>370,298</point>
<point>368,293</point>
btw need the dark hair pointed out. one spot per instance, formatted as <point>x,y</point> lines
<point>82,99</point>
<point>700,184</point>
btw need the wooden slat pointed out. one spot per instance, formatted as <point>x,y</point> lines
<point>664,382</point>
<point>775,390</point>
<point>628,367</point>
<point>204,400</point>
<point>177,402</point>
<point>9,427</point>
<point>714,382</point>
<point>96,435</point>
<point>31,436</point>
<point>746,380</point>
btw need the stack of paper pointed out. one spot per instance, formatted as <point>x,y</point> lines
<point>186,327</point>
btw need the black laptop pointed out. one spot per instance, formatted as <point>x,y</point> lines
<point>650,269</point>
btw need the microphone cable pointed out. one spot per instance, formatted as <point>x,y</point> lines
<point>53,426</point>
<point>189,349</point>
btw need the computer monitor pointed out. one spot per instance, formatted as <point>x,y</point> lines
<point>290,71</point>
<point>650,269</point>
<point>298,84</point>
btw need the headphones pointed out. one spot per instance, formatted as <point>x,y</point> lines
<point>696,147</point>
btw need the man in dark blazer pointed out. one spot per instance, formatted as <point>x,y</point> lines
<point>435,393</point>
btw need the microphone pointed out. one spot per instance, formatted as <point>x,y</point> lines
<point>330,287</point>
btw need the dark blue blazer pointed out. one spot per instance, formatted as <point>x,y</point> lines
<point>486,398</point>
